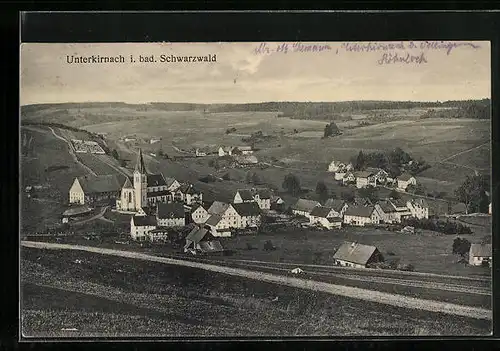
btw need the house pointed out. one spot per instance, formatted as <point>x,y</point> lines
<point>380,175</point>
<point>230,218</point>
<point>249,213</point>
<point>199,153</point>
<point>75,212</point>
<point>170,215</point>
<point>348,178</point>
<point>277,203</point>
<point>418,208</point>
<point>303,207</point>
<point>261,196</point>
<point>337,205</point>
<point>188,194</point>
<point>326,217</point>
<point>218,226</point>
<point>362,201</point>
<point>140,226</point>
<point>334,166</point>
<point>154,140</point>
<point>199,214</point>
<point>246,159</point>
<point>480,254</point>
<point>361,215</point>
<point>339,175</point>
<point>243,150</point>
<point>158,234</point>
<point>225,151</point>
<point>387,212</point>
<point>88,189</point>
<point>200,239</point>
<point>357,255</point>
<point>405,180</point>
<point>365,179</point>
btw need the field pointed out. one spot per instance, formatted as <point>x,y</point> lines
<point>115,297</point>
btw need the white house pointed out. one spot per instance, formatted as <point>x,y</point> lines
<point>199,214</point>
<point>225,151</point>
<point>404,180</point>
<point>261,196</point>
<point>170,215</point>
<point>389,213</point>
<point>365,179</point>
<point>357,255</point>
<point>243,150</point>
<point>140,226</point>
<point>326,217</point>
<point>229,217</point>
<point>199,153</point>
<point>361,215</point>
<point>479,253</point>
<point>380,175</point>
<point>249,213</point>
<point>188,194</point>
<point>349,178</point>
<point>418,208</point>
<point>303,207</point>
<point>158,235</point>
<point>334,166</point>
<point>87,189</point>
<point>218,226</point>
<point>338,205</point>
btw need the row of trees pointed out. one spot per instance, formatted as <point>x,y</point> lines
<point>476,109</point>
<point>474,193</point>
<point>392,162</point>
<point>445,227</point>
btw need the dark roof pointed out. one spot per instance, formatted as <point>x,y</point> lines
<point>336,204</point>
<point>405,177</point>
<point>420,202</point>
<point>362,201</point>
<point>218,207</point>
<point>76,211</point>
<point>211,246</point>
<point>188,189</point>
<point>155,180</point>
<point>213,220</point>
<point>142,221</point>
<point>305,205</point>
<point>247,209</point>
<point>362,174</point>
<point>355,253</point>
<point>197,234</point>
<point>128,183</point>
<point>398,203</point>
<point>158,193</point>
<point>359,211</point>
<point>171,210</point>
<point>139,165</point>
<point>264,193</point>
<point>169,181</point>
<point>100,184</point>
<point>321,211</point>
<point>245,194</point>
<point>386,206</point>
<point>334,219</point>
<point>480,250</point>
<point>196,206</point>
<point>246,159</point>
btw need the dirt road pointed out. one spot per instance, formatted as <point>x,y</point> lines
<point>352,292</point>
<point>97,216</point>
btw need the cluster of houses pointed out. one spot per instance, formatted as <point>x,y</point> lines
<point>335,212</point>
<point>87,146</point>
<point>344,172</point>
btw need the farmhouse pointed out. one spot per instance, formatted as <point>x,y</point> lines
<point>75,212</point>
<point>304,207</point>
<point>199,214</point>
<point>326,217</point>
<point>389,213</point>
<point>380,175</point>
<point>218,226</point>
<point>225,151</point>
<point>188,194</point>
<point>170,215</point>
<point>261,196</point>
<point>140,226</point>
<point>418,208</point>
<point>365,179</point>
<point>337,205</point>
<point>230,218</point>
<point>480,254</point>
<point>249,213</point>
<point>88,189</point>
<point>200,239</point>
<point>361,215</point>
<point>242,150</point>
<point>357,255</point>
<point>349,178</point>
<point>334,166</point>
<point>404,180</point>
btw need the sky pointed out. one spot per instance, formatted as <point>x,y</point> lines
<point>243,75</point>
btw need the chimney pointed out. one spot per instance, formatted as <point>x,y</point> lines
<point>353,244</point>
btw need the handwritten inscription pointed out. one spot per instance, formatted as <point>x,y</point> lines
<point>266,49</point>
<point>389,58</point>
<point>446,46</point>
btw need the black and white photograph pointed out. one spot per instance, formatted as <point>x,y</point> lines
<point>255,189</point>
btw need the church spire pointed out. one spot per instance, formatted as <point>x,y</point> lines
<point>139,165</point>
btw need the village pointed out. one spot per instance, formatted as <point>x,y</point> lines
<point>162,207</point>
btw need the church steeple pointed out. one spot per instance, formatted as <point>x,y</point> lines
<point>139,165</point>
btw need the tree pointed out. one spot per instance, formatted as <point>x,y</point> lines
<point>369,193</point>
<point>331,129</point>
<point>472,193</point>
<point>461,246</point>
<point>123,163</point>
<point>394,195</point>
<point>115,155</point>
<point>347,196</point>
<point>291,184</point>
<point>360,163</point>
<point>322,190</point>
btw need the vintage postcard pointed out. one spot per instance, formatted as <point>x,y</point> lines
<point>265,189</point>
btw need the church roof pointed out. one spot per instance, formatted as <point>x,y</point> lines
<point>128,184</point>
<point>139,165</point>
<point>155,180</point>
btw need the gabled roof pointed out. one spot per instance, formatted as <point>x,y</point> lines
<point>420,202</point>
<point>155,180</point>
<point>336,204</point>
<point>363,174</point>
<point>197,206</point>
<point>213,220</point>
<point>188,189</point>
<point>218,207</point>
<point>362,201</point>
<point>99,184</point>
<point>264,193</point>
<point>169,181</point>
<point>386,206</point>
<point>321,211</point>
<point>211,246</point>
<point>355,253</point>
<point>398,203</point>
<point>246,194</point>
<point>144,221</point>
<point>480,250</point>
<point>305,205</point>
<point>405,177</point>
<point>247,209</point>
<point>246,159</point>
<point>227,148</point>
<point>127,184</point>
<point>334,219</point>
<point>359,211</point>
<point>170,210</point>
<point>139,165</point>
<point>197,234</point>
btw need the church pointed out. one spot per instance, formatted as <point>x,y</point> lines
<point>145,189</point>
